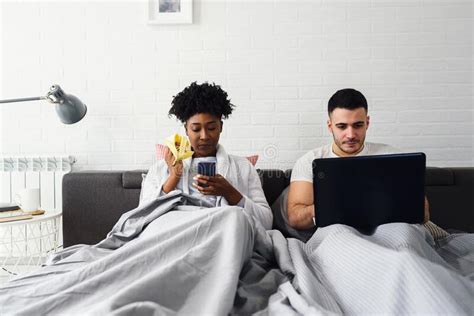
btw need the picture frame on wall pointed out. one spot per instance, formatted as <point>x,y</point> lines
<point>170,12</point>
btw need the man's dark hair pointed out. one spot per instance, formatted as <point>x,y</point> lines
<point>349,99</point>
<point>201,98</point>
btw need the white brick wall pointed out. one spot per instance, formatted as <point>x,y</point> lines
<point>279,60</point>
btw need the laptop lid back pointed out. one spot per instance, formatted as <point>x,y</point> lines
<point>368,191</point>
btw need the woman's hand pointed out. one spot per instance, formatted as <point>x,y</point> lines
<point>217,185</point>
<point>175,171</point>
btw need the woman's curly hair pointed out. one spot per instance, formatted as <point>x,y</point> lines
<point>201,98</point>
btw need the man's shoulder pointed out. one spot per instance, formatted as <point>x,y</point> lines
<point>318,152</point>
<point>303,170</point>
<point>308,156</point>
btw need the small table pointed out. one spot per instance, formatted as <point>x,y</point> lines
<point>25,244</point>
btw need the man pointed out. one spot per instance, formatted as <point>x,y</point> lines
<point>380,273</point>
<point>348,123</point>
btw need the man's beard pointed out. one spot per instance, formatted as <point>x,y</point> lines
<point>340,145</point>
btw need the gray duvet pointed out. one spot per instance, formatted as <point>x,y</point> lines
<point>177,255</point>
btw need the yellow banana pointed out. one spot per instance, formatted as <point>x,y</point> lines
<point>179,146</point>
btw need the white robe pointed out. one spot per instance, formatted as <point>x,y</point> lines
<point>238,171</point>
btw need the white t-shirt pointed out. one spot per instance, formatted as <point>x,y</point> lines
<point>303,169</point>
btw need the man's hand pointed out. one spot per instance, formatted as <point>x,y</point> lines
<point>427,211</point>
<point>301,205</point>
<point>218,186</point>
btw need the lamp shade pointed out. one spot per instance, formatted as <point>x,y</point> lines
<point>68,107</point>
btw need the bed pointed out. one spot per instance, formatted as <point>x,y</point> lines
<point>174,256</point>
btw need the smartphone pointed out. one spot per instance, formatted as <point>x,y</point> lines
<point>207,168</point>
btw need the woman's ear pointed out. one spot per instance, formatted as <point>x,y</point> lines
<point>186,129</point>
<point>222,125</point>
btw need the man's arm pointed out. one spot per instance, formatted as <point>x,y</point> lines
<point>301,205</point>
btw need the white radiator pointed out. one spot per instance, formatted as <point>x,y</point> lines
<point>44,172</point>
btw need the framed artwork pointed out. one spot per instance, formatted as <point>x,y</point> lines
<point>170,11</point>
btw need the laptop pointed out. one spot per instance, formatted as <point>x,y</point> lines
<point>367,191</point>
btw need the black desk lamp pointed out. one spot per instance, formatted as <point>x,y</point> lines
<point>68,107</point>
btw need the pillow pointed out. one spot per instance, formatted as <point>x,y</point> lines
<point>161,149</point>
<point>253,159</point>
<point>280,219</point>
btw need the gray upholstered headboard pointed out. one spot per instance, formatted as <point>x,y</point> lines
<point>94,200</point>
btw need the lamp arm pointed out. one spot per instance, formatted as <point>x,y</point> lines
<point>23,99</point>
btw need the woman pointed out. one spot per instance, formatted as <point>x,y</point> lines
<point>170,255</point>
<point>201,108</point>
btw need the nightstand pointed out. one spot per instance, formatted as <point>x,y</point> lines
<point>25,244</point>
